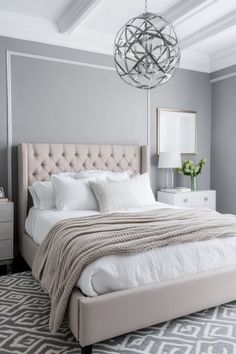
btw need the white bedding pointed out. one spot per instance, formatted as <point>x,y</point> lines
<point>112,273</point>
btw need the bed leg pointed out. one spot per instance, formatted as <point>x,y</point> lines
<point>87,350</point>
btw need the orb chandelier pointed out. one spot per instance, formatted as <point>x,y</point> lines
<point>146,51</point>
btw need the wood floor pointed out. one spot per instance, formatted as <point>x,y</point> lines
<point>18,265</point>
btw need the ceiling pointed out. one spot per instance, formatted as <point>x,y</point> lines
<point>207,28</point>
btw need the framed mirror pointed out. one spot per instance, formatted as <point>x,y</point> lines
<point>176,131</point>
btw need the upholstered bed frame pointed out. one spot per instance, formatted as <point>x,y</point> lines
<point>95,319</point>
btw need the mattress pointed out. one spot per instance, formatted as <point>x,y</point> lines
<point>117,272</point>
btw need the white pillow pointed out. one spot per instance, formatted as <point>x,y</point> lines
<point>45,194</point>
<point>42,193</point>
<point>67,174</point>
<point>132,193</point>
<point>34,196</point>
<point>118,176</point>
<point>72,194</point>
<point>102,175</point>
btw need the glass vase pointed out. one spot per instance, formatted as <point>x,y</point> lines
<point>193,183</point>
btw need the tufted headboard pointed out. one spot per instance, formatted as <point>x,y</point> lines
<point>37,162</point>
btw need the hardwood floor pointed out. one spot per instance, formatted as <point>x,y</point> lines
<point>18,265</point>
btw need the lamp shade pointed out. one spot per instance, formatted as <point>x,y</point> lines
<point>169,159</point>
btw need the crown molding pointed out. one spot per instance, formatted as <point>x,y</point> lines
<point>210,30</point>
<point>75,13</point>
<point>223,77</point>
<point>192,60</point>
<point>223,59</point>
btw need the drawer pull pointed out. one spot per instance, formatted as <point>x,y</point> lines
<point>185,200</point>
<point>205,199</point>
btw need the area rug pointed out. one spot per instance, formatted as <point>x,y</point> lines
<point>24,313</point>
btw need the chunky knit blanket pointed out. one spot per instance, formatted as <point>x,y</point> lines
<point>73,244</point>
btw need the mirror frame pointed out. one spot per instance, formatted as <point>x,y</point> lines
<point>158,128</point>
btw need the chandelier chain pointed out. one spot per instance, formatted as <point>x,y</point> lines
<point>146,6</point>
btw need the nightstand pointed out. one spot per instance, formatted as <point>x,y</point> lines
<point>195,199</point>
<point>6,232</point>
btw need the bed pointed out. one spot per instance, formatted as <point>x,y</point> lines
<point>128,309</point>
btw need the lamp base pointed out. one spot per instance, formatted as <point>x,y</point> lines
<point>170,178</point>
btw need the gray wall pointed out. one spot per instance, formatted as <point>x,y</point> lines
<point>189,90</point>
<point>58,102</point>
<point>223,144</point>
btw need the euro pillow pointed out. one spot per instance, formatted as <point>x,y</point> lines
<point>42,192</point>
<point>34,196</point>
<point>73,194</point>
<point>103,175</point>
<point>67,174</point>
<point>132,193</point>
<point>45,194</point>
<point>118,176</point>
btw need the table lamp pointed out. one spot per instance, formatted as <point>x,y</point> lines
<point>169,160</point>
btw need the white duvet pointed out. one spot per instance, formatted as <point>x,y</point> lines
<point>113,273</point>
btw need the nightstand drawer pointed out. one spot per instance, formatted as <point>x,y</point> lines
<point>6,230</point>
<point>196,199</point>
<point>6,249</point>
<point>6,212</point>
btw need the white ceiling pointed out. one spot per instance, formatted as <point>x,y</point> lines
<point>207,28</point>
<point>50,9</point>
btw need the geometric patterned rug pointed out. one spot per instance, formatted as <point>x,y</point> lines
<point>24,313</point>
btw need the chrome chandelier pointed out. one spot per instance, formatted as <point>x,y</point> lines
<point>146,51</point>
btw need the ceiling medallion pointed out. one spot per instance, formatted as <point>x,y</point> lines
<point>147,51</point>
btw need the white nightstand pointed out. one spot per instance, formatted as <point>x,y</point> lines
<point>196,199</point>
<point>6,232</point>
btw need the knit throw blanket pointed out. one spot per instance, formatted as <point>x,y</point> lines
<point>73,244</point>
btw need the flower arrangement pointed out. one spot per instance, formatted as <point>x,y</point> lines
<point>193,170</point>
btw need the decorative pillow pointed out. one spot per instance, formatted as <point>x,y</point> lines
<point>45,194</point>
<point>132,193</point>
<point>73,194</point>
<point>34,196</point>
<point>102,175</point>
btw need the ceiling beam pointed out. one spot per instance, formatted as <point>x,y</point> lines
<point>210,30</point>
<point>182,8</point>
<point>75,13</point>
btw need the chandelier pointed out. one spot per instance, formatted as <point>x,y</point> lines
<point>146,51</point>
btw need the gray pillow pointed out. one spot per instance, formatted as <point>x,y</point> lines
<point>132,193</point>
